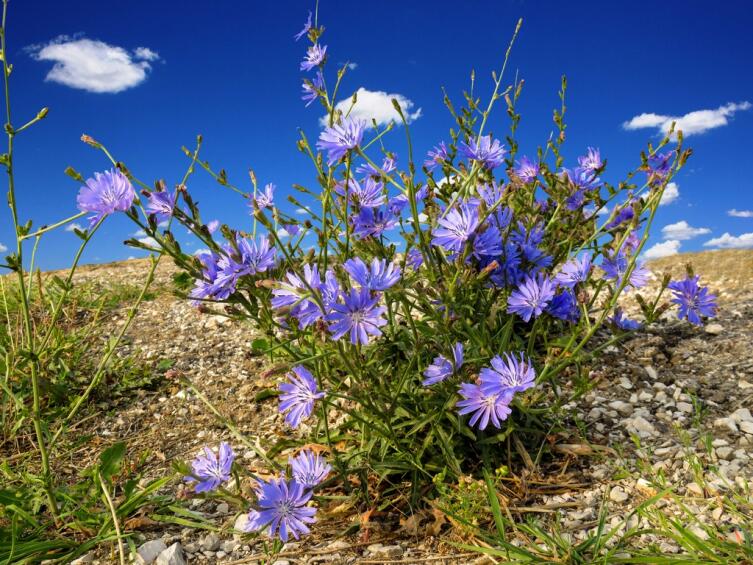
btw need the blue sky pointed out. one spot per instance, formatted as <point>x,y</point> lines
<point>229,70</point>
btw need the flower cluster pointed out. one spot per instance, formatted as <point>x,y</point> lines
<point>354,310</point>
<point>412,302</point>
<point>222,271</point>
<point>283,504</point>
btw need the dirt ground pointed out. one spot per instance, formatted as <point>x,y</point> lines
<point>669,376</point>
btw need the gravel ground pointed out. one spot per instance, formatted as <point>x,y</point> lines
<point>670,408</point>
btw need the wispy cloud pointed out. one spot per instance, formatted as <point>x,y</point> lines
<point>301,211</point>
<point>73,226</point>
<point>94,66</point>
<point>691,123</point>
<point>740,213</point>
<point>377,105</point>
<point>682,231</point>
<point>664,249</point>
<point>728,241</point>
<point>3,249</point>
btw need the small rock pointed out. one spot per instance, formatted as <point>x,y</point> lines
<point>618,494</point>
<point>694,489</point>
<point>86,558</point>
<point>727,423</point>
<point>625,383</point>
<point>223,508</point>
<point>742,415</point>
<point>640,426</point>
<point>651,372</point>
<point>211,542</point>
<point>724,453</point>
<point>149,551</point>
<point>173,555</point>
<point>624,408</point>
<point>389,551</point>
<point>714,329</point>
<point>747,427</point>
<point>745,385</point>
<point>685,407</point>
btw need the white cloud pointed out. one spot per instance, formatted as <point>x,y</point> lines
<point>740,213</point>
<point>682,231</point>
<point>301,211</point>
<point>94,66</point>
<point>3,249</point>
<point>282,233</point>
<point>727,241</point>
<point>671,193</point>
<point>377,105</point>
<point>201,251</point>
<point>145,54</point>
<point>691,123</point>
<point>138,233</point>
<point>73,226</point>
<point>664,249</point>
<point>352,66</point>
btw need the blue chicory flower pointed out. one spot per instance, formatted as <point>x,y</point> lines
<point>694,301</point>
<point>616,266</point>
<point>283,509</point>
<point>314,57</point>
<point>489,154</point>
<point>457,226</point>
<point>161,204</point>
<point>574,271</point>
<point>209,471</point>
<point>379,276</point>
<point>359,315</point>
<point>484,407</point>
<point>340,138</point>
<point>507,376</point>
<point>309,469</point>
<point>106,193</point>
<point>298,396</point>
<point>442,367</point>
<point>532,297</point>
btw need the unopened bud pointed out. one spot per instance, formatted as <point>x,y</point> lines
<point>90,140</point>
<point>42,113</point>
<point>266,283</point>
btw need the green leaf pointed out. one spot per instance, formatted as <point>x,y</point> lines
<point>111,458</point>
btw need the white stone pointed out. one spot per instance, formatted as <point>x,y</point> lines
<point>742,415</point>
<point>724,453</point>
<point>149,551</point>
<point>380,550</point>
<point>618,494</point>
<point>173,555</point>
<point>747,427</point>
<point>211,542</point>
<point>714,329</point>
<point>651,372</point>
<point>694,489</point>
<point>685,407</point>
<point>624,408</point>
<point>727,423</point>
<point>639,425</point>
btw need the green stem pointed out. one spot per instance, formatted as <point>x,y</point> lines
<point>36,402</point>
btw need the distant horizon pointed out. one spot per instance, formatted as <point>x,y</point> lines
<point>233,75</point>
